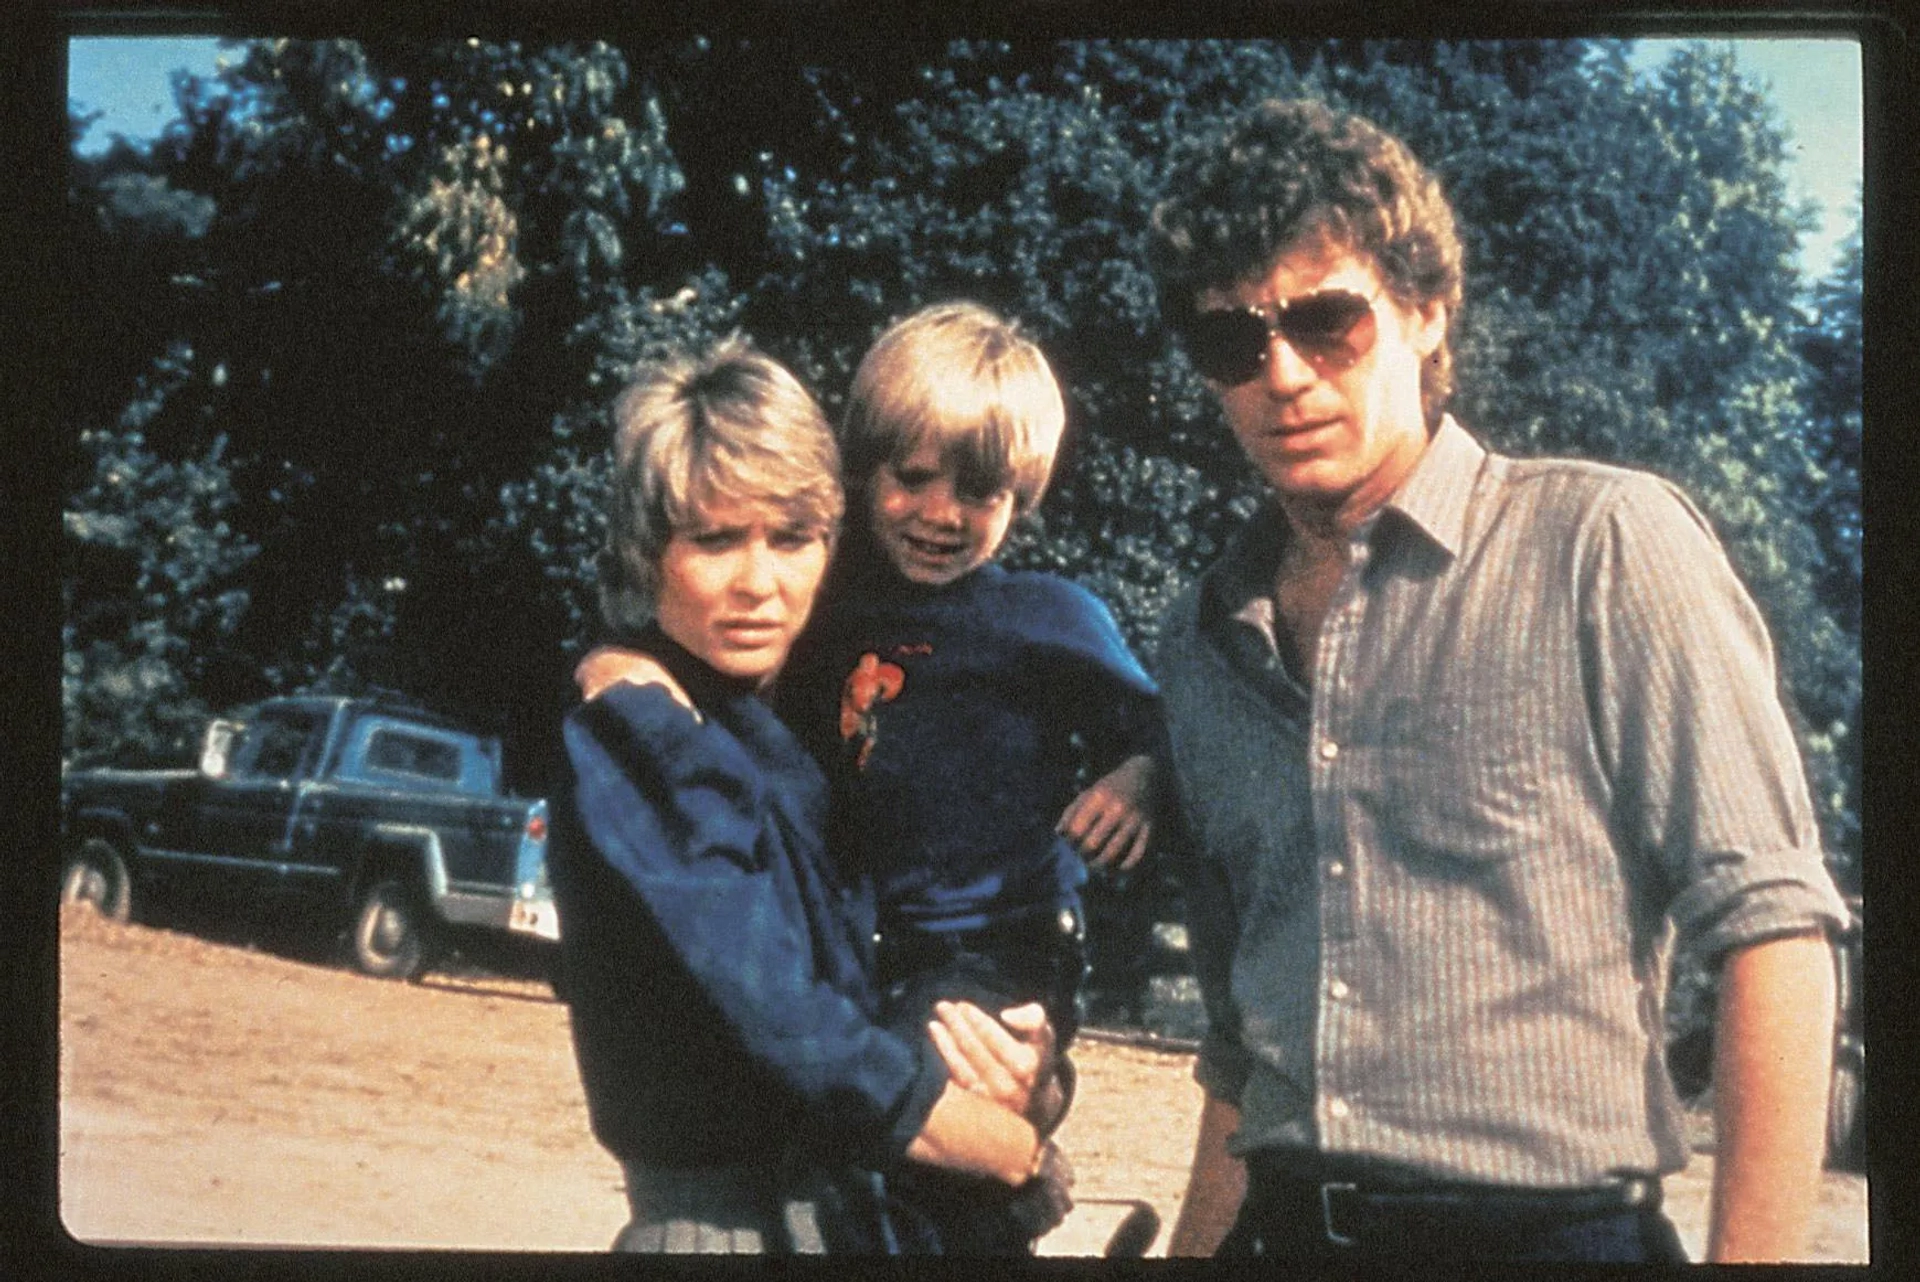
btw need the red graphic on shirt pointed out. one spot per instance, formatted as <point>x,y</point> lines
<point>869,684</point>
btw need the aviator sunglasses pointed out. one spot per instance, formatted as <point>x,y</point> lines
<point>1330,329</point>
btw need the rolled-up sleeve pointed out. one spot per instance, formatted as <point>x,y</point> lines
<point>674,808</point>
<point>1709,781</point>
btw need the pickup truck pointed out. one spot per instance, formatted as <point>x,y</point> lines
<point>363,813</point>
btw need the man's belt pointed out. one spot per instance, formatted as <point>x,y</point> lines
<point>1352,1212</point>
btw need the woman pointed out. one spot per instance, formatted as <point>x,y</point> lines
<point>717,966</point>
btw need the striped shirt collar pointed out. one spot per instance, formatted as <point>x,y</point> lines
<point>1433,500</point>
<point>1436,493</point>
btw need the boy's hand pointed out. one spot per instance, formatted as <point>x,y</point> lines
<point>607,665</point>
<point>1011,1060</point>
<point>1109,823</point>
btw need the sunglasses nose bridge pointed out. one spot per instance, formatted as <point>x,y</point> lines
<point>1280,364</point>
<point>1287,365</point>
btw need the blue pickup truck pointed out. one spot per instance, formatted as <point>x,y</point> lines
<point>363,814</point>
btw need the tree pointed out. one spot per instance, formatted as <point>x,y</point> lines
<point>147,585</point>
<point>149,563</point>
<point>404,242</point>
<point>1830,342</point>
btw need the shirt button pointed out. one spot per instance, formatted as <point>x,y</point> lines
<point>1336,870</point>
<point>1329,750</point>
<point>1338,989</point>
<point>1338,1108</point>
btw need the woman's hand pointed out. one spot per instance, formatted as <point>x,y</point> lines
<point>1011,1060</point>
<point>1110,823</point>
<point>607,665</point>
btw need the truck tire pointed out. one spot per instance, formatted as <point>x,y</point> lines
<point>390,930</point>
<point>95,874</point>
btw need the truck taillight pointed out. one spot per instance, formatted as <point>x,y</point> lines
<point>536,827</point>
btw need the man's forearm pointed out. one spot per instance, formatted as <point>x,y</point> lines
<point>1215,1188</point>
<point>1773,1056</point>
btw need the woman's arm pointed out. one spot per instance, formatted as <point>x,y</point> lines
<point>673,811</point>
<point>1111,822</point>
<point>969,1132</point>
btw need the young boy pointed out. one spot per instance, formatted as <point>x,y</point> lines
<point>955,703</point>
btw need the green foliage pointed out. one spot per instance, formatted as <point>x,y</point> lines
<point>147,565</point>
<point>560,510</point>
<point>1830,342</point>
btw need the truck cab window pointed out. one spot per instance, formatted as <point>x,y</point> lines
<point>413,755</point>
<point>275,744</point>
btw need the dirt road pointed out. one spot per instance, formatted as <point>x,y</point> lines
<point>212,1094</point>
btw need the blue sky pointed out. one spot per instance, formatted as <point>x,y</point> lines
<point>1814,83</point>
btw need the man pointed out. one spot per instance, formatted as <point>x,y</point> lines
<point>1457,736</point>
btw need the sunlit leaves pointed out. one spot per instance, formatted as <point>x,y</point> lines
<point>459,237</point>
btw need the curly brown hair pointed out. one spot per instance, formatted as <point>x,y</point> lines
<point>1285,173</point>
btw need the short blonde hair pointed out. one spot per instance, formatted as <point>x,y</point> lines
<point>969,378</point>
<point>727,423</point>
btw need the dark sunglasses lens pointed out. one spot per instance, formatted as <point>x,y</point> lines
<point>1227,346</point>
<point>1322,322</point>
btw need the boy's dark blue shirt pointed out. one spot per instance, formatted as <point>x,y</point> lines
<point>718,968</point>
<point>952,721</point>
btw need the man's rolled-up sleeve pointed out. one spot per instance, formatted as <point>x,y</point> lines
<point>1709,781</point>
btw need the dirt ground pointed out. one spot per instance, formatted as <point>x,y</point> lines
<point>216,1095</point>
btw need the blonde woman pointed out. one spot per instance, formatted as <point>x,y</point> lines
<point>717,964</point>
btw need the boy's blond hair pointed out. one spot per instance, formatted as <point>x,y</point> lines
<point>967,377</point>
<point>726,423</point>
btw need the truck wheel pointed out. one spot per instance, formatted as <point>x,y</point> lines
<point>95,874</point>
<point>389,931</point>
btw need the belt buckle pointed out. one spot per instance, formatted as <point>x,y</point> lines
<point>1326,1211</point>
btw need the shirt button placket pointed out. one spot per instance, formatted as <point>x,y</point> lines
<point>1333,679</point>
<point>1338,911</point>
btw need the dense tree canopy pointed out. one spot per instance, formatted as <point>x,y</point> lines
<point>352,325</point>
